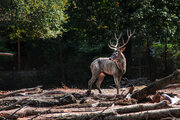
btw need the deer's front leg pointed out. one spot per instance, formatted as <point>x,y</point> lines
<point>117,79</point>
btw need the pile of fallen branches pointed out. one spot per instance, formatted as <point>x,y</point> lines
<point>36,103</point>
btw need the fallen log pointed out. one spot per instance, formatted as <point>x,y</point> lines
<point>12,115</point>
<point>20,91</point>
<point>152,114</point>
<point>41,101</point>
<point>30,111</point>
<point>12,105</point>
<point>107,112</point>
<point>6,54</point>
<point>45,112</point>
<point>157,85</point>
<point>55,92</point>
<point>172,86</point>
<point>124,101</point>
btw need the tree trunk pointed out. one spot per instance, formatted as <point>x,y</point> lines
<point>19,54</point>
<point>165,56</point>
<point>61,61</point>
<point>157,85</point>
<point>149,60</point>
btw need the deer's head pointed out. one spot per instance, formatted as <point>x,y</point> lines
<point>118,50</point>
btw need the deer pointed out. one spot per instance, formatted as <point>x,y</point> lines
<point>115,65</point>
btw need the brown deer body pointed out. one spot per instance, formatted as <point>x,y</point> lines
<point>115,65</point>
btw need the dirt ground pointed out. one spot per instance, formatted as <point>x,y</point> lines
<point>97,103</point>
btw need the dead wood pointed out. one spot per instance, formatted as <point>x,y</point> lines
<point>43,102</point>
<point>76,105</point>
<point>61,105</point>
<point>172,86</point>
<point>30,111</point>
<point>157,85</point>
<point>76,95</point>
<point>12,105</point>
<point>12,115</point>
<point>124,101</point>
<point>6,54</point>
<point>40,100</point>
<point>45,112</point>
<point>55,92</point>
<point>20,91</point>
<point>107,112</point>
<point>141,107</point>
<point>152,114</point>
<point>34,101</point>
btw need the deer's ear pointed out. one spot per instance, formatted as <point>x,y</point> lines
<point>123,49</point>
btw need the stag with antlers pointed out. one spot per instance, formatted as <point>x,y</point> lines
<point>115,65</point>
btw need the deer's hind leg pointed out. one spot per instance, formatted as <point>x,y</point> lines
<point>99,81</point>
<point>91,81</point>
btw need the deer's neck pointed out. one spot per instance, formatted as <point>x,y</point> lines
<point>121,64</point>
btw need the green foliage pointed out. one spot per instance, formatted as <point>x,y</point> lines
<point>90,26</point>
<point>3,44</point>
<point>172,50</point>
<point>36,19</point>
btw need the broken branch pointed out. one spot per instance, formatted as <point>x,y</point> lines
<point>157,85</point>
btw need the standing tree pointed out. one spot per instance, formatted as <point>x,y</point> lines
<point>37,19</point>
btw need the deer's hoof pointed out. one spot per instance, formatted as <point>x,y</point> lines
<point>88,93</point>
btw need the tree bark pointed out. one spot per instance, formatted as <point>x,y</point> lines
<point>157,85</point>
<point>61,61</point>
<point>152,114</point>
<point>105,113</point>
<point>165,57</point>
<point>20,91</point>
<point>6,54</point>
<point>19,53</point>
<point>12,105</point>
<point>149,61</point>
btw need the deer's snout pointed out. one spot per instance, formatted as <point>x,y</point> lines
<point>111,58</point>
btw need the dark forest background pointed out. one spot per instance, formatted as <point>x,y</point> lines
<point>54,41</point>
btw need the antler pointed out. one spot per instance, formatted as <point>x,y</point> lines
<point>114,47</point>
<point>129,34</point>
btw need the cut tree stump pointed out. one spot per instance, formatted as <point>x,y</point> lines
<point>157,85</point>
